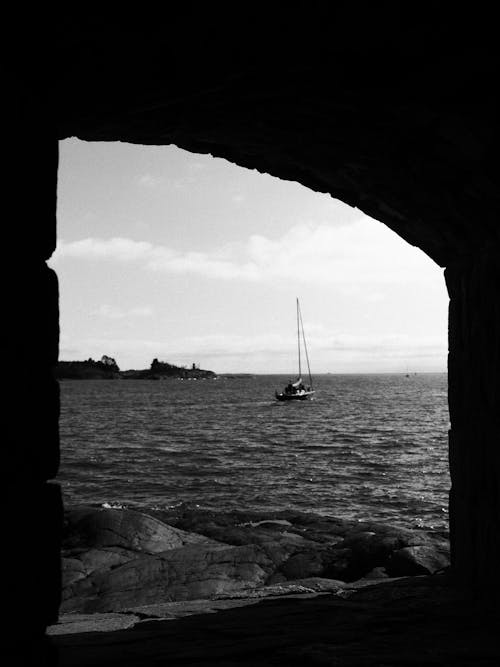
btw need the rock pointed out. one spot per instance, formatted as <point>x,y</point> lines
<point>98,542</point>
<point>86,562</point>
<point>129,529</point>
<point>111,621</point>
<point>362,551</point>
<point>408,622</point>
<point>415,560</point>
<point>376,573</point>
<point>122,558</point>
<point>77,623</point>
<point>309,585</point>
<point>187,573</point>
<point>72,571</point>
<point>105,558</point>
<point>303,564</point>
<point>237,527</point>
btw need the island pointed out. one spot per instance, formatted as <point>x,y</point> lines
<point>160,370</point>
<point>107,369</point>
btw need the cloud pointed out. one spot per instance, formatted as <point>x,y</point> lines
<point>154,181</point>
<point>149,180</point>
<point>363,253</point>
<point>238,198</point>
<point>113,313</point>
<point>116,249</point>
<point>197,165</point>
<point>319,339</point>
<point>333,351</point>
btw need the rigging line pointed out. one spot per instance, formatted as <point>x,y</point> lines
<point>298,337</point>
<point>305,346</point>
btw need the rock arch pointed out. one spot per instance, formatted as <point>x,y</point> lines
<point>389,113</point>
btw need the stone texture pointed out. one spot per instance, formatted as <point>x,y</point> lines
<point>317,545</point>
<point>132,530</point>
<point>397,551</point>
<point>32,507</point>
<point>32,393</point>
<point>370,123</point>
<point>188,573</point>
<point>420,621</point>
<point>474,399</point>
<point>87,562</point>
<point>116,559</point>
<point>31,560</point>
<point>71,623</point>
<point>76,623</point>
<point>415,560</point>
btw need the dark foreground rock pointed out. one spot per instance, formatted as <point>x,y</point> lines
<point>416,621</point>
<point>71,623</point>
<point>117,559</point>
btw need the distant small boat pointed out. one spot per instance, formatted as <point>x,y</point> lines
<point>297,391</point>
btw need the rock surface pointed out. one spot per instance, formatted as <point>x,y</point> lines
<point>118,559</point>
<point>71,623</point>
<point>416,621</point>
<point>129,529</point>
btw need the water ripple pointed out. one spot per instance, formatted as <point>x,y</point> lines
<point>368,447</point>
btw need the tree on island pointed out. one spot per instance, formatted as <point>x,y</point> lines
<point>109,361</point>
<point>106,368</point>
<point>163,368</point>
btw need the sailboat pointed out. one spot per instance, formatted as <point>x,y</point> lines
<point>297,391</point>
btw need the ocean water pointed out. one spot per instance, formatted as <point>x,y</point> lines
<point>369,447</point>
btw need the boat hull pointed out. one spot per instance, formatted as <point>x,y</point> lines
<point>294,397</point>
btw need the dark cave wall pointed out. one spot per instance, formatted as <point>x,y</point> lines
<point>32,505</point>
<point>386,108</point>
<point>393,114</point>
<point>381,123</point>
<point>474,402</point>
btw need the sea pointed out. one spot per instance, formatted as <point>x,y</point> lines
<point>367,447</point>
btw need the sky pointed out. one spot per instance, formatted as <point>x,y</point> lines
<point>190,259</point>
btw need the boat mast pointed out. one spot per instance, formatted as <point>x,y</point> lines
<point>298,336</point>
<point>299,316</point>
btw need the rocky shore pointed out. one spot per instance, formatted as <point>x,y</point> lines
<point>406,622</point>
<point>118,559</point>
<point>191,587</point>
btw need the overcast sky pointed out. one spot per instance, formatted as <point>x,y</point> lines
<point>188,258</point>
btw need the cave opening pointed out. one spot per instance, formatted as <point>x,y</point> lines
<point>164,254</point>
<point>400,121</point>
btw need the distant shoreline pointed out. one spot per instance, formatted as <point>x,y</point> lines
<point>107,369</point>
<point>146,375</point>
